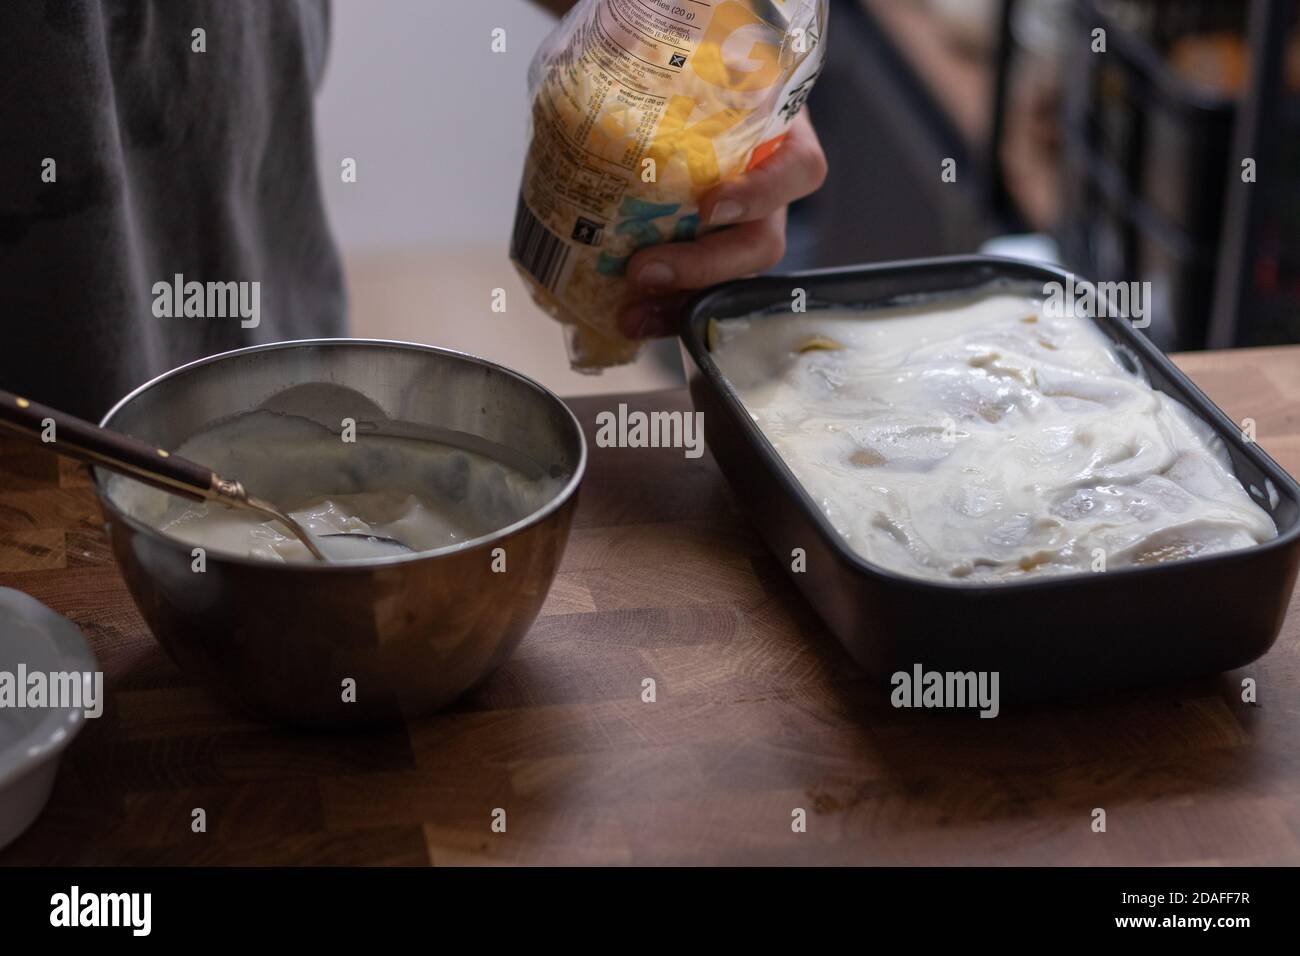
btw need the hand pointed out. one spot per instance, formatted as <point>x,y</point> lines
<point>754,206</point>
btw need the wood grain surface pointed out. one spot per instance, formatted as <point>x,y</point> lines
<point>758,713</point>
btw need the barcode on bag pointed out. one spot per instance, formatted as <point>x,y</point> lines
<point>541,252</point>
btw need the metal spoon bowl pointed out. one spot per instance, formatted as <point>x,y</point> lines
<point>357,545</point>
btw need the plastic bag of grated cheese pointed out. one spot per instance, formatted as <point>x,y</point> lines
<point>639,107</point>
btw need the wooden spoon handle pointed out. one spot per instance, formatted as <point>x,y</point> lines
<point>78,438</point>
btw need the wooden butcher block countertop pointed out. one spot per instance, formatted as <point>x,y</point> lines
<point>758,713</point>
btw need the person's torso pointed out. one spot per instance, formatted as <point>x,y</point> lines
<point>160,198</point>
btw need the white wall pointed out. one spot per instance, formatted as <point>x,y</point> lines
<point>435,120</point>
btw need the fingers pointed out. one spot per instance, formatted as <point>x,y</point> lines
<point>754,207</point>
<point>794,171</point>
<point>741,250</point>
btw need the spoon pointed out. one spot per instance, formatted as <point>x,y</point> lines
<point>159,468</point>
<point>354,545</point>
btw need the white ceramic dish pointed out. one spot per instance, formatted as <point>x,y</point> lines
<point>32,739</point>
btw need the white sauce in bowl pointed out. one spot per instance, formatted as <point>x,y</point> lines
<point>426,494</point>
<point>417,522</point>
<point>983,440</point>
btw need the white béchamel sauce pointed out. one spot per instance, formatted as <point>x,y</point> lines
<point>982,440</point>
<point>425,494</point>
<point>417,522</point>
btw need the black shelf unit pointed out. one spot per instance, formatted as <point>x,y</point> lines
<point>1151,172</point>
<point>1148,194</point>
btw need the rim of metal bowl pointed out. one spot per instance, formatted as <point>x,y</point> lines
<point>555,504</point>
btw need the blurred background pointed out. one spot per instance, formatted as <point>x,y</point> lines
<point>1121,165</point>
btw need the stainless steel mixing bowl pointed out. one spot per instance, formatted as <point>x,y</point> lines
<point>413,632</point>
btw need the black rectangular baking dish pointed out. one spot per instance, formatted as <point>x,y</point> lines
<point>1046,636</point>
